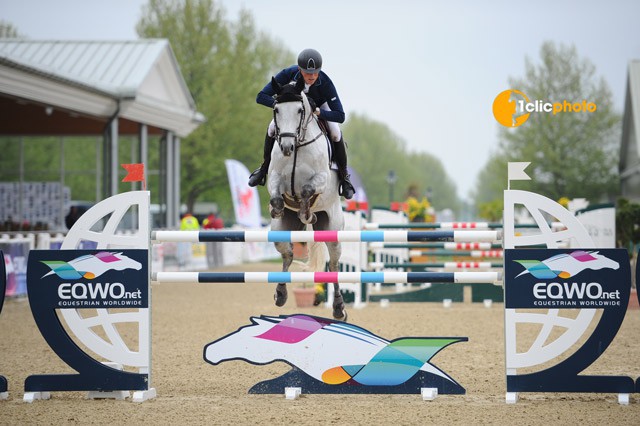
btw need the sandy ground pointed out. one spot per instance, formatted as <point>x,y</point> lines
<point>186,317</point>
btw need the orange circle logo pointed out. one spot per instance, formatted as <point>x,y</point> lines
<point>505,108</point>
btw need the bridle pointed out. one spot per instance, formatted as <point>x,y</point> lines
<point>300,134</point>
<point>301,131</point>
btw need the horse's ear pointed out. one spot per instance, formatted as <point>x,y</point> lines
<point>299,85</point>
<point>276,86</point>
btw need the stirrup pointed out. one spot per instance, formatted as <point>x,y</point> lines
<point>258,177</point>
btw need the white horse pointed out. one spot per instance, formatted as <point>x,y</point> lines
<point>302,187</point>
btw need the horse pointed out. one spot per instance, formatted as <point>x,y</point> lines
<point>302,187</point>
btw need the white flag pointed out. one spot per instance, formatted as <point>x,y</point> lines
<point>516,171</point>
<point>246,201</point>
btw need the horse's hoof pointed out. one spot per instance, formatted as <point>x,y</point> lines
<point>276,208</point>
<point>340,313</point>
<point>280,296</point>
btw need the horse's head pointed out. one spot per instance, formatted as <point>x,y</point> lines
<point>243,344</point>
<point>289,113</point>
<point>125,262</point>
<point>602,262</point>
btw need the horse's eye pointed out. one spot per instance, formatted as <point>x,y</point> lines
<point>276,110</point>
<point>299,110</point>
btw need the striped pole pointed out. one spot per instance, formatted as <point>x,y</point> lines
<point>446,246</point>
<point>326,277</point>
<point>446,265</point>
<point>453,225</point>
<point>323,236</point>
<point>472,253</point>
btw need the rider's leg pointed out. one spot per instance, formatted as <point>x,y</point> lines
<point>345,187</point>
<point>259,176</point>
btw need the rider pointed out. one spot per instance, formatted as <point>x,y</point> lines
<point>325,103</point>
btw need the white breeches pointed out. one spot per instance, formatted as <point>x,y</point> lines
<point>334,128</point>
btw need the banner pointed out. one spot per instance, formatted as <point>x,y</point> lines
<point>360,195</point>
<point>246,201</point>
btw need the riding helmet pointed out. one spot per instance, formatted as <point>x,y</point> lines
<point>310,61</point>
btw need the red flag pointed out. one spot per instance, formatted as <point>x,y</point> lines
<point>135,173</point>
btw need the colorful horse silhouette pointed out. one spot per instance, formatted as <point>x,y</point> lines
<point>335,354</point>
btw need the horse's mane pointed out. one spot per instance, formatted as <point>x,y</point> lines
<point>289,92</point>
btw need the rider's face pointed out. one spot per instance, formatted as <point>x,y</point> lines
<point>308,77</point>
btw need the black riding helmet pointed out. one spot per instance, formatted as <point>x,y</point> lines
<point>310,61</point>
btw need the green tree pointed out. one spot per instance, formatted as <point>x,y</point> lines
<point>224,64</point>
<point>374,150</point>
<point>573,154</point>
<point>8,30</point>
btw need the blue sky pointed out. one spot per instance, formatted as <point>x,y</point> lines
<point>429,70</point>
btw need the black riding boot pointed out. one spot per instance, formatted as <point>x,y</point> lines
<point>345,187</point>
<point>259,176</point>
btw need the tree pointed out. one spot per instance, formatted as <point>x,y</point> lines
<point>374,150</point>
<point>573,154</point>
<point>8,30</point>
<point>224,64</point>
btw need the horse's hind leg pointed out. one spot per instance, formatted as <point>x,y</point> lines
<point>339,311</point>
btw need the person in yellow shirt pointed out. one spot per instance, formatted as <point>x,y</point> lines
<point>189,223</point>
<point>418,210</point>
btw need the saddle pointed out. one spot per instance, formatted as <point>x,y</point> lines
<point>325,130</point>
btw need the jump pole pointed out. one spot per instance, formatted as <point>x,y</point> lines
<point>445,246</point>
<point>446,265</point>
<point>465,253</point>
<point>327,277</point>
<point>324,236</point>
<point>453,225</point>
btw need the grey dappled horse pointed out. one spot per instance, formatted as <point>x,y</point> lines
<point>302,187</point>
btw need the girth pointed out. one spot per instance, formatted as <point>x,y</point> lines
<point>293,203</point>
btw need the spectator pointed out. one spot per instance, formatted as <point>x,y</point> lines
<point>212,222</point>
<point>189,223</point>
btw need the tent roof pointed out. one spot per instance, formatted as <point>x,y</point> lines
<point>139,80</point>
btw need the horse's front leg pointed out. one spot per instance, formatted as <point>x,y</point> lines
<point>276,203</point>
<point>305,214</point>
<point>339,311</point>
<point>286,251</point>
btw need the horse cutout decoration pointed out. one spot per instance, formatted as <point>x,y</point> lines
<point>331,356</point>
<point>566,265</point>
<point>302,187</point>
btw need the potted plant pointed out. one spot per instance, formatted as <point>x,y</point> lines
<point>306,294</point>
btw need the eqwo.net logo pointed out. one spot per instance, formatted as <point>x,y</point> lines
<point>512,108</point>
<point>91,266</point>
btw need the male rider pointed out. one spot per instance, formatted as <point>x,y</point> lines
<point>325,104</point>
